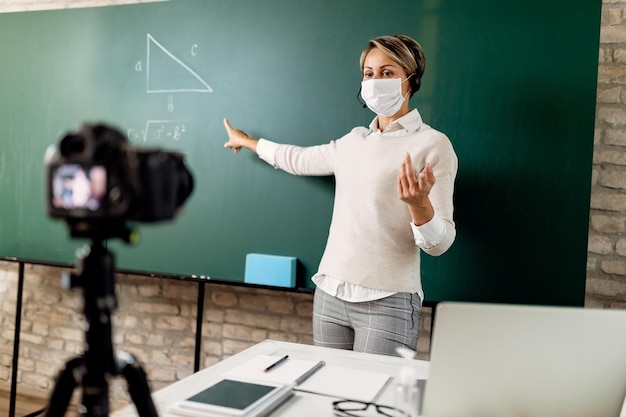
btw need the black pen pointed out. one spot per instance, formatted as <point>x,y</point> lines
<point>275,364</point>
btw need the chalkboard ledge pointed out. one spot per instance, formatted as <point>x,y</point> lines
<point>188,278</point>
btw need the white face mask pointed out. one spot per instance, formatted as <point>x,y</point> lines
<point>383,96</point>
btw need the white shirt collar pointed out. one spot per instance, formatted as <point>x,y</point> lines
<point>409,123</point>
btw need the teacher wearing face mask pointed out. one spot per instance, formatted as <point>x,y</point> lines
<point>393,199</point>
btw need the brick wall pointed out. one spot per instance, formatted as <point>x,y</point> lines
<point>606,260</point>
<point>156,317</point>
<point>155,321</point>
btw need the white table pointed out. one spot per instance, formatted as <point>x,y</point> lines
<point>302,404</point>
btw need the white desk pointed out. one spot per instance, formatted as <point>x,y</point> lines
<point>302,404</point>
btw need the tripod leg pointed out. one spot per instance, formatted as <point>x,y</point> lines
<point>66,383</point>
<point>138,388</point>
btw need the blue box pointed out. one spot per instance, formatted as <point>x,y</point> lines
<point>279,271</point>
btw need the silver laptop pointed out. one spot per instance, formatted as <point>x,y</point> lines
<point>497,360</point>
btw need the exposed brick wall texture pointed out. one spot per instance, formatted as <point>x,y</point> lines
<point>606,258</point>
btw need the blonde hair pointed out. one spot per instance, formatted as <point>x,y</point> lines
<point>403,50</point>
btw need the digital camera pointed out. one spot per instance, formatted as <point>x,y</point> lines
<point>95,177</point>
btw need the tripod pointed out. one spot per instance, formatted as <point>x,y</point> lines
<point>99,362</point>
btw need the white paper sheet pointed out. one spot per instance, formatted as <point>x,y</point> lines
<point>331,380</point>
<point>286,373</point>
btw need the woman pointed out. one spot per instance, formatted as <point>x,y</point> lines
<point>393,197</point>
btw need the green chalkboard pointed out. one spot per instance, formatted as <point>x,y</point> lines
<point>511,83</point>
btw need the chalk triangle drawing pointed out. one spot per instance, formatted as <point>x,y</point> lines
<point>165,73</point>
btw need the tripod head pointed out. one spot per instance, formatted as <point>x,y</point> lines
<point>95,274</point>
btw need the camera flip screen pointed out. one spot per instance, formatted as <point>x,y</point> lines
<point>78,187</point>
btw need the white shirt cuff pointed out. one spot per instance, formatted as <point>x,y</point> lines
<point>429,234</point>
<point>266,149</point>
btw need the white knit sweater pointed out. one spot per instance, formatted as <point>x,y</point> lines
<point>370,242</point>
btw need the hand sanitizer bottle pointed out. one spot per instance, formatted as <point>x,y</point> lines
<point>407,390</point>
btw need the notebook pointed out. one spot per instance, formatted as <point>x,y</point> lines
<point>496,360</point>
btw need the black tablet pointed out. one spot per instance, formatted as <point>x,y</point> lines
<point>229,397</point>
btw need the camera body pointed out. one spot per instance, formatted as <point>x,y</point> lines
<point>95,177</point>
